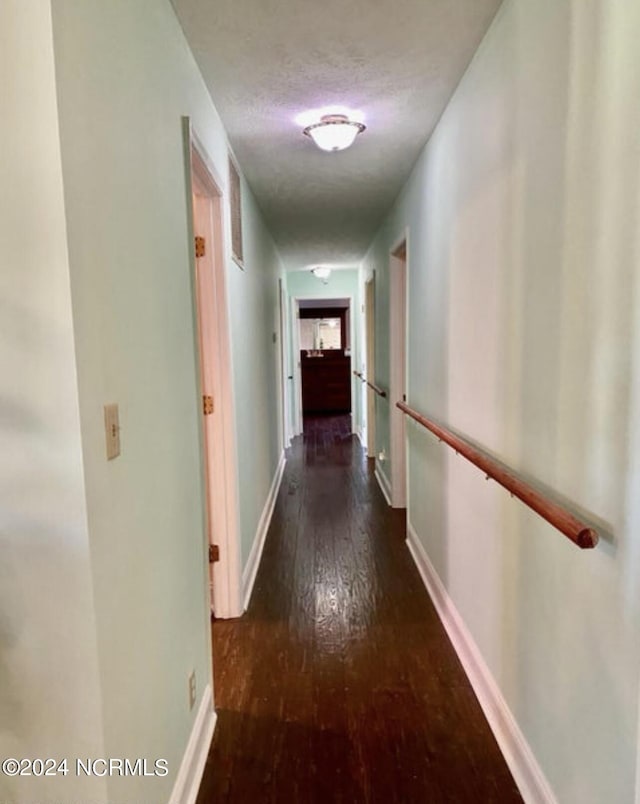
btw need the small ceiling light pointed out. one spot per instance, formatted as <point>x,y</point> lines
<point>322,273</point>
<point>334,132</point>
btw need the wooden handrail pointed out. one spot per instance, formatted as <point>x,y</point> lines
<point>579,533</point>
<point>373,387</point>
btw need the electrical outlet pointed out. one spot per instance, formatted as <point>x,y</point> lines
<point>192,689</point>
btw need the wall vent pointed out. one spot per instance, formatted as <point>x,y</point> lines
<point>235,202</point>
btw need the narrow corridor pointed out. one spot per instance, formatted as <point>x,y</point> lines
<point>339,684</point>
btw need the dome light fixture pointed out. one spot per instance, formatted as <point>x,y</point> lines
<point>321,273</point>
<point>334,132</point>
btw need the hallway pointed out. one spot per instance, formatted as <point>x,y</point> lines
<point>182,178</point>
<point>339,684</point>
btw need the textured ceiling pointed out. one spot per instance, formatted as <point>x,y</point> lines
<point>267,61</point>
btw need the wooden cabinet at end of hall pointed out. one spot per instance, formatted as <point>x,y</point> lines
<point>326,382</point>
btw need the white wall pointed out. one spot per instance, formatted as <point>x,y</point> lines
<point>524,320</point>
<point>50,703</point>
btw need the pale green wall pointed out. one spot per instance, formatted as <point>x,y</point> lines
<point>253,295</point>
<point>50,703</point>
<point>342,284</point>
<point>125,78</point>
<point>524,321</point>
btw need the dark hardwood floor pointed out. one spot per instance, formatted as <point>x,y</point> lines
<point>339,684</point>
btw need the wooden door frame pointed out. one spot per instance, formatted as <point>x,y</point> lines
<point>399,374</point>
<point>219,452</point>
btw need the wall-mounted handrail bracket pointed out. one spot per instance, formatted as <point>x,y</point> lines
<point>379,391</point>
<point>562,519</point>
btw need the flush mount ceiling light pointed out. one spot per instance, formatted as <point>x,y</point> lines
<point>322,273</point>
<point>334,132</point>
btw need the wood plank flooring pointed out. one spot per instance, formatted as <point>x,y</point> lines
<point>339,684</point>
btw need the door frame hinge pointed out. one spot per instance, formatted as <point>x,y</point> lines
<point>200,246</point>
<point>207,404</point>
<point>214,553</point>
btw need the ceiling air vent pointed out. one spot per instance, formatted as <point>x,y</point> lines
<point>236,213</point>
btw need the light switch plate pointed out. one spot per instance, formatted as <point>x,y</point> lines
<point>112,431</point>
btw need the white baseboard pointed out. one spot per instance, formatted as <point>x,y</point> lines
<point>358,433</point>
<point>187,784</point>
<point>528,775</point>
<point>384,484</point>
<point>253,562</point>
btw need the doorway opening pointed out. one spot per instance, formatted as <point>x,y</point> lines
<point>323,337</point>
<point>214,357</point>
<point>398,342</point>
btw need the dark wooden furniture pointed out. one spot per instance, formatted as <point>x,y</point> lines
<point>326,382</point>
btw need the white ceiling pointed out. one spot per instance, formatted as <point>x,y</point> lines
<point>266,61</point>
